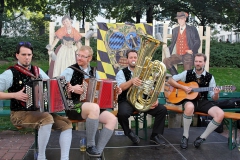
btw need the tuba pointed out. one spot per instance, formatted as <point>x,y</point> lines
<point>152,74</point>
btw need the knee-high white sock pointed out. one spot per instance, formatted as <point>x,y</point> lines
<point>210,128</point>
<point>43,137</point>
<point>187,120</point>
<point>65,140</point>
<point>91,129</point>
<point>103,138</point>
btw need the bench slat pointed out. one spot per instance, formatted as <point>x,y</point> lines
<point>231,115</point>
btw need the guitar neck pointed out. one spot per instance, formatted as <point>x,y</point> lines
<point>204,89</point>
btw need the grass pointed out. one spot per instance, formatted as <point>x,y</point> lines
<point>226,76</point>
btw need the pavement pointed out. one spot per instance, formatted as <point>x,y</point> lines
<point>14,145</point>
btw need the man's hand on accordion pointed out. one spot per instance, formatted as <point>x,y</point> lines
<point>20,95</point>
<point>75,89</point>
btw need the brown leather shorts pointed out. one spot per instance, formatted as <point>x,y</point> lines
<point>35,119</point>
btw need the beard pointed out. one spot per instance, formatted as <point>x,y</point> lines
<point>199,68</point>
<point>131,66</point>
<point>26,65</point>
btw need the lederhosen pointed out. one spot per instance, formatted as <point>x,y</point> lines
<point>201,101</point>
<point>77,78</point>
<point>30,117</point>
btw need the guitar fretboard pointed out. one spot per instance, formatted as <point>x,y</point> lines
<point>204,89</point>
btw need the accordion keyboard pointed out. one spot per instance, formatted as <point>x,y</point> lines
<point>29,102</point>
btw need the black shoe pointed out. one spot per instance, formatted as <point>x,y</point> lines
<point>184,143</point>
<point>197,143</point>
<point>134,138</point>
<point>157,140</point>
<point>93,152</point>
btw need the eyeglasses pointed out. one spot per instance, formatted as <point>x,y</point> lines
<point>25,43</point>
<point>81,56</point>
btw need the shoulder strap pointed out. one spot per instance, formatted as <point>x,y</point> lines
<point>81,71</point>
<point>27,72</point>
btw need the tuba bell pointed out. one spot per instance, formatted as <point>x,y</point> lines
<point>152,74</point>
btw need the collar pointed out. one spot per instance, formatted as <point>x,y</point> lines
<point>29,67</point>
<point>129,69</point>
<point>182,28</point>
<point>87,70</point>
<point>203,73</point>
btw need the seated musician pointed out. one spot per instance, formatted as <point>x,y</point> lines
<point>125,109</point>
<point>201,103</point>
<point>14,80</point>
<point>89,111</point>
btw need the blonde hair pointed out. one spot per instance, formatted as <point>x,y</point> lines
<point>83,48</point>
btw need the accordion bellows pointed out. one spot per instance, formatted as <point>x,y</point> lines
<point>102,92</point>
<point>48,95</point>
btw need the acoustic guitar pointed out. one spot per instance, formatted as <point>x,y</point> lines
<point>175,95</point>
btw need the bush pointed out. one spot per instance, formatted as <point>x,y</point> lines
<point>224,54</point>
<point>8,46</point>
<point>221,54</point>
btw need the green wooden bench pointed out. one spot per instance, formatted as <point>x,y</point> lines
<point>5,112</point>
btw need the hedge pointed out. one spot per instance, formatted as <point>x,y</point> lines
<point>221,54</point>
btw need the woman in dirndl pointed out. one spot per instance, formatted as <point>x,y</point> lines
<point>65,54</point>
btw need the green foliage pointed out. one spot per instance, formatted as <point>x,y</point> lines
<point>85,10</point>
<point>158,54</point>
<point>206,11</point>
<point>8,46</point>
<point>15,15</point>
<point>9,59</point>
<point>224,54</point>
<point>93,44</point>
<point>221,54</point>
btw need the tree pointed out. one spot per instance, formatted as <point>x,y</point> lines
<point>204,12</point>
<point>124,10</point>
<point>85,10</point>
<point>13,9</point>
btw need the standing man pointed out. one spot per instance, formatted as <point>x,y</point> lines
<point>125,109</point>
<point>14,80</point>
<point>89,111</point>
<point>201,103</point>
<point>185,43</point>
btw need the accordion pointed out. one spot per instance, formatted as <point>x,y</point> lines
<point>48,95</point>
<point>102,92</point>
